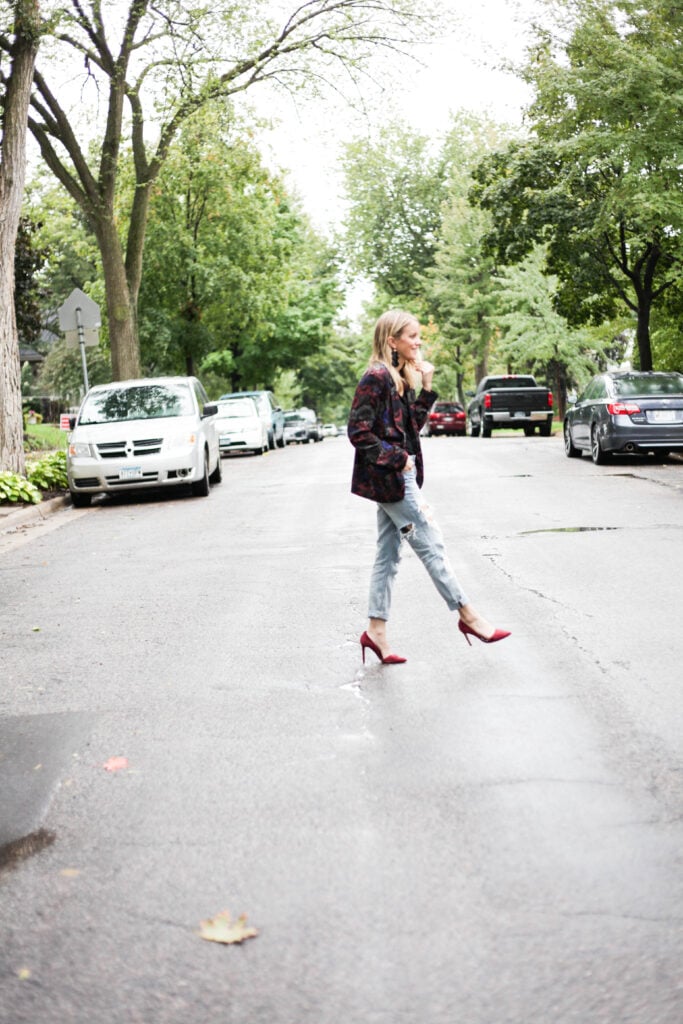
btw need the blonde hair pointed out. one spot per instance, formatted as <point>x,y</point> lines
<point>391,325</point>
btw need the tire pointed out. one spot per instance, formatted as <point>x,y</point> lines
<point>486,428</point>
<point>281,441</point>
<point>570,450</point>
<point>598,456</point>
<point>217,475</point>
<point>528,431</point>
<point>474,429</point>
<point>80,500</point>
<point>201,488</point>
<point>271,441</point>
<point>544,429</point>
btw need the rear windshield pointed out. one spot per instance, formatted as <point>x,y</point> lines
<point>146,402</point>
<point>447,407</point>
<point>642,384</point>
<point>239,409</point>
<point>511,382</point>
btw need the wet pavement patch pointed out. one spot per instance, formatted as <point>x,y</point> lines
<point>572,529</point>
<point>36,752</point>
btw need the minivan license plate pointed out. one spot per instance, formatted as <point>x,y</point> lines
<point>130,473</point>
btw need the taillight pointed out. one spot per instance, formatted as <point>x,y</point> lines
<point>550,399</point>
<point>622,408</point>
<point>487,401</point>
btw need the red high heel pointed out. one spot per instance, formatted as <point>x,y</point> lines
<point>391,659</point>
<point>499,634</point>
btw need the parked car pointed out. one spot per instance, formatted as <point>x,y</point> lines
<point>240,427</point>
<point>626,411</point>
<point>296,428</point>
<point>271,414</point>
<point>315,427</point>
<point>330,430</point>
<point>511,401</point>
<point>136,434</point>
<point>445,418</point>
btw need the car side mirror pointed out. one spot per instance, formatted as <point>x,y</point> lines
<point>210,410</point>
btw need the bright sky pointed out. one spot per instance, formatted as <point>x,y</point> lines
<point>460,72</point>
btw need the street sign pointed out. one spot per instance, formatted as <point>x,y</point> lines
<point>79,318</point>
<point>91,336</point>
<point>79,310</point>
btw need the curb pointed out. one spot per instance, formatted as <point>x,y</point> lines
<point>13,517</point>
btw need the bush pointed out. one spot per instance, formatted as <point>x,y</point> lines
<point>14,488</point>
<point>49,473</point>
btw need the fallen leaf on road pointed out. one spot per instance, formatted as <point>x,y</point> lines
<point>23,974</point>
<point>115,764</point>
<point>70,872</point>
<point>222,929</point>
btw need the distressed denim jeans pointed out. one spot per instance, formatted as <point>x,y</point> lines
<point>409,520</point>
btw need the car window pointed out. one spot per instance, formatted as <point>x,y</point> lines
<point>238,408</point>
<point>592,391</point>
<point>200,394</point>
<point>146,402</point>
<point>447,407</point>
<point>642,384</point>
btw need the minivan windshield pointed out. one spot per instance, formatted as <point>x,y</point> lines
<point>137,402</point>
<point>238,408</point>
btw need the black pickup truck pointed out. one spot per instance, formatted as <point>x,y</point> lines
<point>510,401</point>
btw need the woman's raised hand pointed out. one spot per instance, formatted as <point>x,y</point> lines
<point>427,371</point>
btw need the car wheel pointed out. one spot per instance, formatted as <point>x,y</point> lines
<point>281,441</point>
<point>80,500</point>
<point>528,431</point>
<point>544,429</point>
<point>474,429</point>
<point>217,475</point>
<point>271,441</point>
<point>598,456</point>
<point>570,450</point>
<point>486,428</point>
<point>201,488</point>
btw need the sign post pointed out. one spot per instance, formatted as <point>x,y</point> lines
<point>79,318</point>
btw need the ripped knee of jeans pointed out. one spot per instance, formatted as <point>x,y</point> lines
<point>427,512</point>
<point>406,530</point>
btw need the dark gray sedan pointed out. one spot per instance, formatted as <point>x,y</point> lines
<point>626,411</point>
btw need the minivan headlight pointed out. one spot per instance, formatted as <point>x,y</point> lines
<point>80,449</point>
<point>181,439</point>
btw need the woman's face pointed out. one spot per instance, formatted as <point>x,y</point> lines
<point>408,343</point>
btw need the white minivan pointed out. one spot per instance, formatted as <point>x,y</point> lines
<point>147,433</point>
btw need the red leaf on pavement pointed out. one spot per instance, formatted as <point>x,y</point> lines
<point>115,764</point>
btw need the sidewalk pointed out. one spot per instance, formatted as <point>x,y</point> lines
<point>12,516</point>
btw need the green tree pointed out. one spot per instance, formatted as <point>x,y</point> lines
<point>29,298</point>
<point>157,64</point>
<point>19,37</point>
<point>600,179</point>
<point>460,286</point>
<point>395,185</point>
<point>534,337</point>
<point>235,281</point>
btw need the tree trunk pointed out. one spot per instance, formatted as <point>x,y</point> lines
<point>643,331</point>
<point>121,305</point>
<point>12,176</point>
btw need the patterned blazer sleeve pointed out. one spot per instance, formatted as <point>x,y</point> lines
<point>369,418</point>
<point>421,406</point>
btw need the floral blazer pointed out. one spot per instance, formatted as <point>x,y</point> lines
<point>376,432</point>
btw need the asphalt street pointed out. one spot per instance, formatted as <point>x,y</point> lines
<point>484,835</point>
